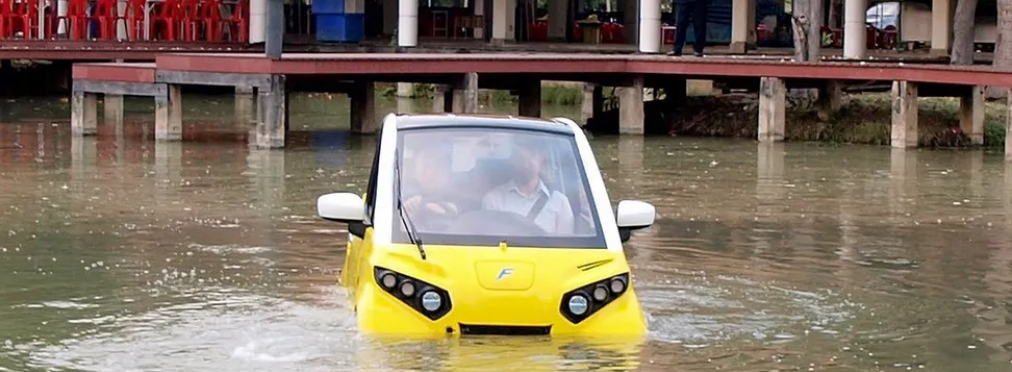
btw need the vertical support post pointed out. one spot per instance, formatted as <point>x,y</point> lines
<point>112,107</point>
<point>407,23</point>
<point>904,124</point>
<point>772,109</point>
<point>558,20</point>
<point>169,114</point>
<point>630,111</point>
<point>941,27</point>
<point>390,10</point>
<point>84,114</point>
<point>363,108</point>
<point>61,12</point>
<point>275,29</point>
<point>529,101</point>
<point>442,100</point>
<point>649,26</point>
<point>121,27</point>
<point>465,94</point>
<point>271,113</point>
<point>245,104</point>
<point>404,90</point>
<point>1008,129</point>
<point>739,25</point>
<point>971,114</point>
<point>854,40</point>
<point>830,99</point>
<point>587,104</point>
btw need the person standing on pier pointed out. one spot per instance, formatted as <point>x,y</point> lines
<point>683,10</point>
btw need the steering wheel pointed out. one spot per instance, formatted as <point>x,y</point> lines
<point>483,222</point>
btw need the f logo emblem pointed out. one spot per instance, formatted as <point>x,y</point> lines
<point>504,272</point>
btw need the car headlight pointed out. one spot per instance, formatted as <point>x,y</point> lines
<point>581,303</point>
<point>428,299</point>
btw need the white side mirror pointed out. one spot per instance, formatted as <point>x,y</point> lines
<point>635,214</point>
<point>343,207</point>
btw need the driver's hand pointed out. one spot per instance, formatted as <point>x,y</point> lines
<point>412,203</point>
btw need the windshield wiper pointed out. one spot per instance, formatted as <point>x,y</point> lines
<point>408,226</point>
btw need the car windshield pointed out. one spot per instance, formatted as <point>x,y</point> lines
<point>480,186</point>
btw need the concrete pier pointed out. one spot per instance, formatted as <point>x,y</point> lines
<point>631,115</point>
<point>465,94</point>
<point>772,109</point>
<point>112,107</point>
<point>830,99</point>
<point>363,108</point>
<point>245,104</point>
<point>529,99</point>
<point>904,115</point>
<point>971,114</point>
<point>272,112</point>
<point>84,113</point>
<point>587,106</point>
<point>442,99</point>
<point>169,115</point>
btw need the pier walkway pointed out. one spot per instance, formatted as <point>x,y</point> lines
<point>461,75</point>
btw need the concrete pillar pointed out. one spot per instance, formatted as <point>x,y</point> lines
<point>404,90</point>
<point>630,113</point>
<point>631,8</point>
<point>558,20</point>
<point>941,27</point>
<point>971,114</point>
<point>272,111</point>
<point>169,115</point>
<point>830,99</point>
<point>740,26</point>
<point>112,107</point>
<point>465,94</point>
<point>61,12</point>
<point>587,104</point>
<point>84,114</point>
<point>503,15</point>
<point>854,45</point>
<point>1008,128</point>
<point>904,127</point>
<point>407,23</point>
<point>442,100</point>
<point>245,105</point>
<point>649,26</point>
<point>363,108</point>
<point>479,10</point>
<point>257,21</point>
<point>529,100</point>
<point>772,109</point>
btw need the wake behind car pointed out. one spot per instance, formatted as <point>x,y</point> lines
<point>487,225</point>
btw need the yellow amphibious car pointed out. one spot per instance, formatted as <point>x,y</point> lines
<point>487,225</point>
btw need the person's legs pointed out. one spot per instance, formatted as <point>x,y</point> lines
<point>682,10</point>
<point>699,25</point>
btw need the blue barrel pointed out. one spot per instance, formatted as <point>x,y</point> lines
<point>335,24</point>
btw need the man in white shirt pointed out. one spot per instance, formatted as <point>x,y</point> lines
<point>521,194</point>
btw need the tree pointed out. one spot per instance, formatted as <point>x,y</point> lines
<point>1003,47</point>
<point>806,22</point>
<point>963,25</point>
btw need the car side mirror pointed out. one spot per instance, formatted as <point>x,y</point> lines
<point>343,207</point>
<point>633,215</point>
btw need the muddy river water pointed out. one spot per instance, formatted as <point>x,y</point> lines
<point>119,254</point>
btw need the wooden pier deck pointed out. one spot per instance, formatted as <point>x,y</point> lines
<point>463,73</point>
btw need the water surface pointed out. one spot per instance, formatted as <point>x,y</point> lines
<point>120,254</point>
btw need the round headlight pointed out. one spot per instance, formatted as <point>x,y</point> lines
<point>431,301</point>
<point>600,293</point>
<point>617,286</point>
<point>388,280</point>
<point>578,305</point>
<point>408,288</point>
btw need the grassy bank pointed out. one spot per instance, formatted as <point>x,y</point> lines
<point>862,119</point>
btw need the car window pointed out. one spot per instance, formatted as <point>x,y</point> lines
<point>479,186</point>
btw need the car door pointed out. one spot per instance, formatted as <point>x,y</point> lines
<point>359,247</point>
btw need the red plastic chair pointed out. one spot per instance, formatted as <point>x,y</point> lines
<point>237,23</point>
<point>24,18</point>
<point>192,18</point>
<point>167,15</point>
<point>108,17</point>
<point>134,18</point>
<point>76,20</point>
<point>5,15</point>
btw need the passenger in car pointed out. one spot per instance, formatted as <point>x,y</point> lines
<point>428,191</point>
<point>527,195</point>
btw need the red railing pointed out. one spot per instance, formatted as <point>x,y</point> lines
<point>130,20</point>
